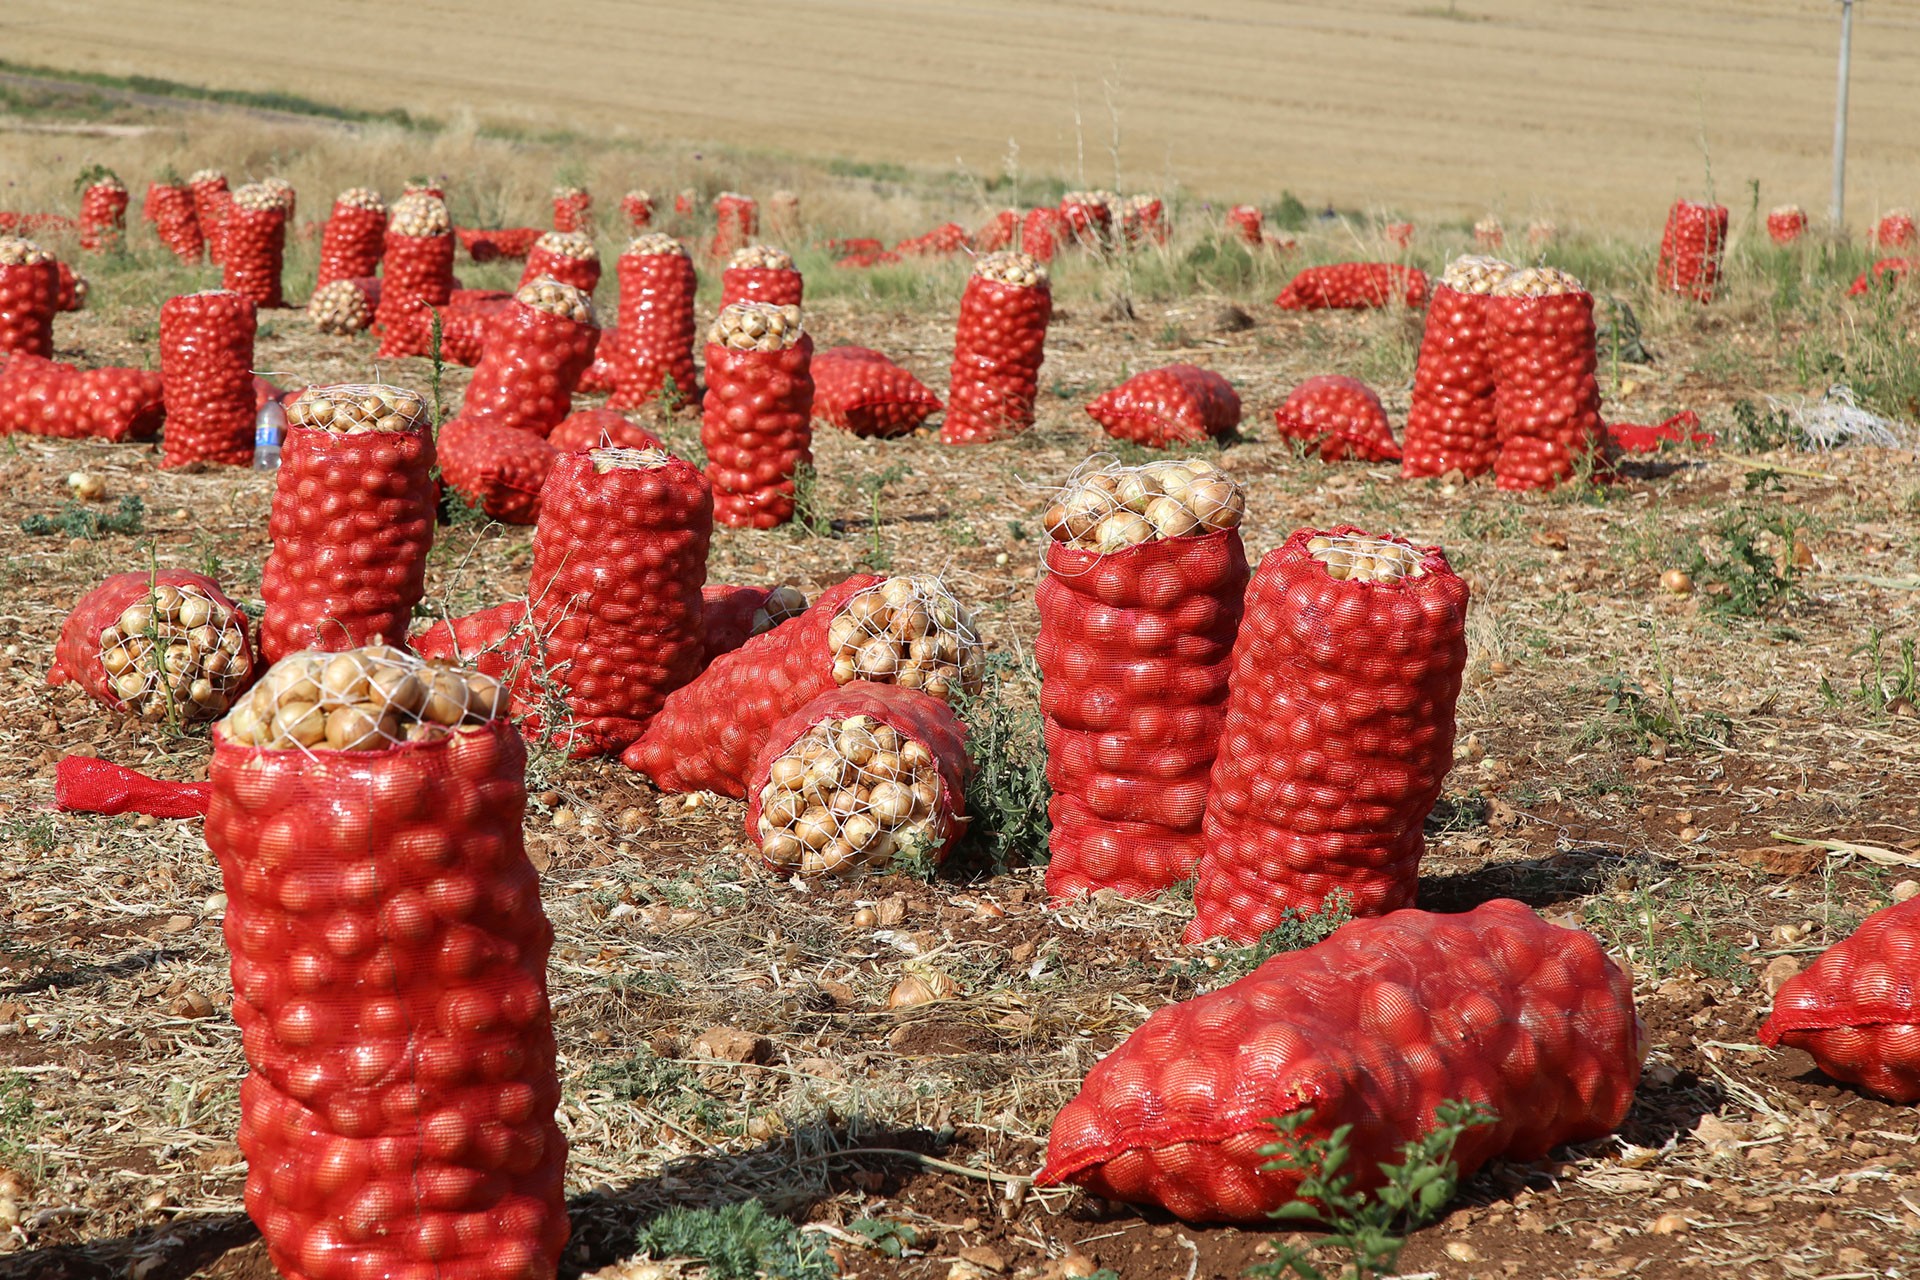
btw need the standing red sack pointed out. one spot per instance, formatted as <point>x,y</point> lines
<point>73,289</point>
<point>652,341</point>
<point>352,521</point>
<point>211,198</point>
<point>355,237</point>
<point>859,390</point>
<point>465,321</point>
<point>1339,418</point>
<point>1546,398</point>
<point>254,245</point>
<point>1247,223</point>
<point>160,646</point>
<point>29,297</point>
<point>535,350</point>
<point>1041,232</point>
<point>999,343</point>
<point>637,206</point>
<point>1174,404</point>
<point>1896,230</point>
<point>572,209</point>
<point>1691,249</point>
<point>757,418</point>
<point>1338,734</point>
<point>760,273</point>
<point>566,256</point>
<point>1786,223</point>
<point>1143,220</point>
<point>1138,613</point>
<point>103,210</point>
<point>1087,217</point>
<point>170,209</point>
<point>416,269</point>
<point>206,373</point>
<point>1451,425</point>
<point>1856,1008</point>
<point>736,221</point>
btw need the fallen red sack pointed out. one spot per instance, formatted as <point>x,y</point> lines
<point>51,398</point>
<point>858,389</point>
<point>487,244</point>
<point>1340,418</point>
<point>1546,397</point>
<point>1856,1009</point>
<point>1451,424</point>
<point>1691,249</point>
<point>534,351</point>
<point>84,784</point>
<point>1354,286</point>
<point>757,416</point>
<point>206,374</point>
<point>496,642</point>
<point>354,239</point>
<point>586,429</point>
<point>1399,234</point>
<point>651,346</point>
<point>869,258</point>
<point>1338,733</point>
<point>1681,427</point>
<point>160,647</point>
<point>496,468</point>
<point>1886,273</point>
<point>1786,223</point>
<point>731,616</point>
<point>1174,404</point>
<point>29,297</point>
<point>253,240</point>
<point>761,273</point>
<point>943,241</point>
<point>999,344</point>
<point>566,256</point>
<point>1373,1028</point>
<point>416,269</point>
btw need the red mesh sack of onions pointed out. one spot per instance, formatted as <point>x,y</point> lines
<point>389,959</point>
<point>731,616</point>
<point>757,417</point>
<point>355,237</point>
<point>1088,217</point>
<point>999,343</point>
<point>487,244</point>
<point>1885,273</point>
<point>465,320</point>
<point>535,350</point>
<point>206,375</point>
<point>1856,1009</point>
<point>597,378</point>
<point>1247,222</point>
<point>1174,404</point>
<point>995,234</point>
<point>1338,733</point>
<point>760,273</point>
<point>211,198</point>
<point>1371,1030</point>
<point>174,220</point>
<point>103,212</point>
<point>29,297</point>
<point>1041,232</point>
<point>1138,612</point>
<point>1488,232</point>
<point>416,268</point>
<point>73,289</point>
<point>572,209</point>
<point>587,429</point>
<point>566,256</point>
<point>637,207</point>
<point>943,241</point>
<point>1399,234</point>
<point>253,242</point>
<point>1896,231</point>
<point>651,346</point>
<point>498,642</point>
<point>909,632</point>
<point>1354,286</point>
<point>495,468</point>
<point>162,647</point>
<point>33,395</point>
<point>1691,248</point>
<point>736,221</point>
<point>52,398</point>
<point>859,390</point>
<point>1143,220</point>
<point>1340,418</point>
<point>346,307</point>
<point>1786,223</point>
<point>352,520</point>
<point>857,777</point>
<point>1546,400</point>
<point>1451,425</point>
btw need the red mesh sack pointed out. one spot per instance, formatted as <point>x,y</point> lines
<point>103,213</point>
<point>1339,417</point>
<point>535,349</point>
<point>389,959</point>
<point>72,291</point>
<point>943,241</point>
<point>1143,220</point>
<point>1247,222</point>
<point>206,375</point>
<point>1451,425</point>
<point>494,642</point>
<point>496,468</point>
<point>33,395</point>
<point>465,320</point>
<point>1546,400</point>
<point>736,221</point>
<point>652,343</point>
<point>50,398</point>
<point>863,260</point>
<point>83,784</point>
<point>1399,234</point>
<point>160,647</point>
<point>175,221</point>
<point>1040,234</point>
<point>709,732</point>
<point>29,297</point>
<point>757,418</point>
<point>1896,231</point>
<point>1338,734</point>
<point>855,244</point>
<point>731,616</point>
<point>416,267</point>
<point>999,343</point>
<point>856,776</point>
<point>600,429</point>
<point>346,307</point>
<point>566,256</point>
<point>995,234</point>
<point>253,245</point>
<point>1138,614</point>
<point>1786,223</point>
<point>352,521</point>
<point>1856,1009</point>
<point>1086,218</point>
<point>488,244</point>
<point>760,273</point>
<point>619,557</point>
<point>1690,249</point>
<point>1373,1028</point>
<point>1354,286</point>
<point>572,209</point>
<point>597,378</point>
<point>1885,273</point>
<point>211,198</point>
<point>1177,403</point>
<point>683,202</point>
<point>1682,427</point>
<point>858,389</point>
<point>355,237</point>
<point>637,208</point>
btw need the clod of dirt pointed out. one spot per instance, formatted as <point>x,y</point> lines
<point>730,1044</point>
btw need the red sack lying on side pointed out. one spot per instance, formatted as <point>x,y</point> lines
<point>1173,404</point>
<point>1373,1028</point>
<point>487,244</point>
<point>106,647</point>
<point>731,616</point>
<point>1886,272</point>
<point>1856,1009</point>
<point>1682,426</point>
<point>586,429</point>
<point>52,398</point>
<point>492,641</point>
<point>858,389</point>
<point>1341,418</point>
<point>83,784</point>
<point>497,468</point>
<point>1354,286</point>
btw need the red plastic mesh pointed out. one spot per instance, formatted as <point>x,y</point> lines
<point>211,200</point>
<point>572,211</point>
<point>1373,1028</point>
<point>351,523</point>
<point>29,298</point>
<point>493,641</point>
<point>1682,427</point>
<point>1786,225</point>
<point>1691,248</point>
<point>1041,232</point>
<point>1354,286</point>
<point>1450,426</point>
<point>1246,221</point>
<point>637,207</point>
<point>1088,223</point>
<point>1144,221</point>
<point>206,373</point>
<point>389,978</point>
<point>174,219</point>
<point>868,258</point>
<point>736,222</point>
<point>757,426</point>
<point>497,468</point>
<point>600,429</point>
<point>1546,399</point>
<point>727,618</point>
<point>487,244</point>
<point>352,244</point>
<point>543,263</point>
<point>1856,1009</point>
<point>530,362</point>
<point>653,340</point>
<point>33,395</point>
<point>995,234</point>
<point>50,398</point>
<point>1398,233</point>
<point>708,732</point>
<point>73,288</point>
<point>103,216</point>
<point>464,322</point>
<point>781,286</point>
<point>253,247</point>
<point>1177,403</point>
<point>1134,652</point>
<point>858,389</point>
<point>1340,417</point>
<point>1896,231</point>
<point>943,241</point>
<point>417,276</point>
<point>83,784</point>
<point>76,654</point>
<point>1338,736</point>
<point>1885,273</point>
<point>998,346</point>
<point>597,378</point>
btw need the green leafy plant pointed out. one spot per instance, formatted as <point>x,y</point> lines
<point>75,520</point>
<point>1655,717</point>
<point>884,1235</point>
<point>874,486</point>
<point>738,1242</point>
<point>1298,929</point>
<point>1759,429</point>
<point>1743,576</point>
<point>810,516</point>
<point>1894,682</point>
<point>1008,791</point>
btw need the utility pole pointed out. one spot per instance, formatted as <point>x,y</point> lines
<point>1836,210</point>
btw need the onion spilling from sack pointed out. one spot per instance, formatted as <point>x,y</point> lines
<point>369,699</point>
<point>1113,507</point>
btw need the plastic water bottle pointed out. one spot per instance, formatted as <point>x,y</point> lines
<point>269,429</point>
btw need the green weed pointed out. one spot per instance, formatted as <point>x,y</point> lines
<point>1742,574</point>
<point>76,520</point>
<point>811,518</point>
<point>1008,792</point>
<point>737,1242</point>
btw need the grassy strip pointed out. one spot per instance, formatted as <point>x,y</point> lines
<point>292,103</point>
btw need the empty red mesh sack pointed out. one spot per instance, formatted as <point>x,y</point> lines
<point>1856,1009</point>
<point>637,208</point>
<point>389,974</point>
<point>999,343</point>
<point>1338,733</point>
<point>1546,399</point>
<point>1681,428</point>
<point>1174,404</point>
<point>1786,223</point>
<point>1691,249</point>
<point>1354,286</point>
<point>254,245</point>
<point>1885,273</point>
<point>1340,418</point>
<point>566,256</point>
<point>29,297</point>
<point>600,429</point>
<point>1373,1028</point>
<point>1451,423</point>
<point>572,209</point>
<point>736,221</point>
<point>1246,222</point>
<point>84,784</point>
<point>619,557</point>
<point>211,199</point>
<point>731,616</point>
<point>759,273</point>
<point>351,522</point>
<point>157,646</point>
<point>103,213</point>
<point>354,238</point>
<point>206,374</point>
<point>757,417</point>
<point>652,341</point>
<point>174,220</point>
<point>1896,231</point>
<point>416,268</point>
<point>497,468</point>
<point>859,390</point>
<point>996,233</point>
<point>1041,232</point>
<point>534,351</point>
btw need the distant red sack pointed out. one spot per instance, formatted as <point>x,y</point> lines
<point>995,234</point>
<point>1691,247</point>
<point>1786,223</point>
<point>999,344</point>
<point>1896,231</point>
<point>1681,427</point>
<point>1354,286</point>
<point>586,429</point>
<point>488,244</point>
<point>1177,403</point>
<point>74,288</point>
<point>1042,232</point>
<point>858,389</point>
<point>1856,1009</point>
<point>495,467</point>
<point>1450,422</point>
<point>1341,418</point>
<point>943,241</point>
<point>1247,222</point>
<point>1886,272</point>
<point>531,358</point>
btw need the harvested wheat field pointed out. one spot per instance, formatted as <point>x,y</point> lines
<point>1654,683</point>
